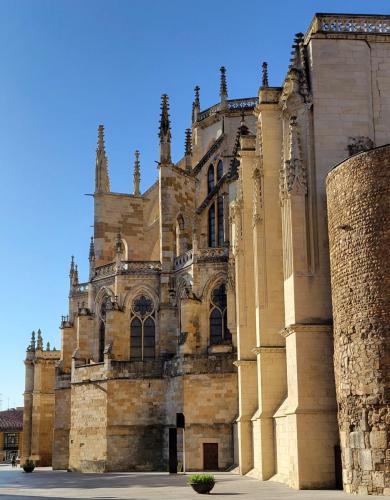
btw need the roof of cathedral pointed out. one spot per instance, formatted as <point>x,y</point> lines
<point>11,419</point>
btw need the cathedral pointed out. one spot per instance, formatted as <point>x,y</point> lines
<point>236,313</point>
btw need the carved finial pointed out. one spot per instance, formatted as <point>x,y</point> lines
<point>39,340</point>
<point>197,101</point>
<point>32,342</point>
<point>136,174</point>
<point>223,85</point>
<point>48,346</point>
<point>71,266</point>
<point>243,130</point>
<point>165,131</point>
<point>295,61</point>
<point>264,80</point>
<point>91,250</point>
<point>188,143</point>
<point>73,273</point>
<point>196,105</point>
<point>92,258</point>
<point>102,181</point>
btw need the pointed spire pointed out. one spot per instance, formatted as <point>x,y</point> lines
<point>223,87</point>
<point>91,250</point>
<point>71,266</point>
<point>188,143</point>
<point>188,149</point>
<point>92,259</point>
<point>264,79</point>
<point>165,132</point>
<point>136,174</point>
<point>39,340</point>
<point>48,346</point>
<point>196,105</point>
<point>31,347</point>
<point>102,181</point>
<point>73,273</point>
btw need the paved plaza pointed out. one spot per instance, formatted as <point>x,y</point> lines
<point>45,483</point>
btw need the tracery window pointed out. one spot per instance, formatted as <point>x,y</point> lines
<point>142,329</point>
<point>210,178</point>
<point>219,331</point>
<point>212,239</point>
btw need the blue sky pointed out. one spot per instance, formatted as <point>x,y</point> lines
<point>68,65</point>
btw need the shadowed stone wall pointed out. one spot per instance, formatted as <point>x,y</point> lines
<point>358,193</point>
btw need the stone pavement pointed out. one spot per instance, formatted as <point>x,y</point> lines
<point>45,483</point>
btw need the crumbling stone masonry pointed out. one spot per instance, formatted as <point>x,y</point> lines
<point>359,214</point>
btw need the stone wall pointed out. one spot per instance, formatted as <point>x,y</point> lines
<point>358,193</point>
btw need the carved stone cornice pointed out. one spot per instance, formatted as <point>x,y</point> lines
<point>244,362</point>
<point>305,328</point>
<point>269,350</point>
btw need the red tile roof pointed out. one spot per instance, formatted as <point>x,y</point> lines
<point>11,419</point>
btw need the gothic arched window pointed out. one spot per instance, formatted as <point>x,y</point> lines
<point>142,329</point>
<point>210,178</point>
<point>220,218</point>
<point>211,224</point>
<point>218,316</point>
<point>219,170</point>
<point>102,329</point>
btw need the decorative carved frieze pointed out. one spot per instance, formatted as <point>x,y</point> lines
<point>293,175</point>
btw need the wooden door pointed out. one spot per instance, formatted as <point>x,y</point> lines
<point>210,456</point>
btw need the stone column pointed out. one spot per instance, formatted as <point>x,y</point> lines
<point>245,310</point>
<point>358,192</point>
<point>268,279</point>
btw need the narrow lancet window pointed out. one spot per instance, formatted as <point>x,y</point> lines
<point>211,228</point>
<point>210,178</point>
<point>219,331</point>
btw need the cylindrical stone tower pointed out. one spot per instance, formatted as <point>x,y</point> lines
<point>358,192</point>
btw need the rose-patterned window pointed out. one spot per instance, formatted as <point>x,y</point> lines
<point>142,329</point>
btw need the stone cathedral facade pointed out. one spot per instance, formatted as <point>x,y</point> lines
<point>204,337</point>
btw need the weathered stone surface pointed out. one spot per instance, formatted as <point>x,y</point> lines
<point>359,216</point>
